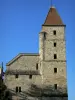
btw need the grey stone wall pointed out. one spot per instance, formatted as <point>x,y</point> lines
<point>46,64</point>
<point>49,30</point>
<point>59,38</point>
<point>24,63</point>
<point>49,63</point>
<point>22,81</point>
<point>49,77</point>
<point>50,50</point>
<point>41,46</point>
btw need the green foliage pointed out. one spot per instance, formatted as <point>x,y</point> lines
<point>4,95</point>
<point>2,89</point>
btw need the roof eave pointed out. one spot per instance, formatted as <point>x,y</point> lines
<point>55,25</point>
<point>21,54</point>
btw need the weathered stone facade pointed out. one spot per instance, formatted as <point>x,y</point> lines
<point>41,76</point>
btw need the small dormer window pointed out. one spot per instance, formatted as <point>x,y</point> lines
<point>54,32</point>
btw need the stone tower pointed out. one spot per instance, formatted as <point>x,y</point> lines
<point>41,76</point>
<point>52,55</point>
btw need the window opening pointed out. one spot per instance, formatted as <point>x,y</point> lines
<point>55,56</point>
<point>55,70</point>
<point>54,32</point>
<point>30,76</point>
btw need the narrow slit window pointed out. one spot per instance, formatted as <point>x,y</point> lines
<point>55,86</point>
<point>30,76</point>
<point>54,44</point>
<point>54,32</point>
<point>16,89</point>
<point>37,66</point>
<point>55,56</point>
<point>55,70</point>
<point>16,76</point>
<point>19,89</point>
<point>44,36</point>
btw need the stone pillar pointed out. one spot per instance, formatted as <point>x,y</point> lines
<point>41,46</point>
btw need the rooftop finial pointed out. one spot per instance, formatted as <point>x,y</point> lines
<point>51,3</point>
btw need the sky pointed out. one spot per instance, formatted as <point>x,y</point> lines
<point>20,24</point>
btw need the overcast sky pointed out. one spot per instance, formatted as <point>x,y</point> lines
<point>20,24</point>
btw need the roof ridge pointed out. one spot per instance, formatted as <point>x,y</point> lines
<point>21,54</point>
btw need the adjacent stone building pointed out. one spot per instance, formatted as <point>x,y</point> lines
<point>41,76</point>
<point>1,71</point>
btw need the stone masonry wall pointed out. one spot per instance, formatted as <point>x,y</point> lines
<point>46,65</point>
<point>59,38</point>
<point>22,81</point>
<point>24,63</point>
<point>49,63</point>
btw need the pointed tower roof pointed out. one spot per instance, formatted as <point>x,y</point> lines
<point>53,18</point>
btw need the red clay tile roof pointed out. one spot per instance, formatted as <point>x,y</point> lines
<point>53,18</point>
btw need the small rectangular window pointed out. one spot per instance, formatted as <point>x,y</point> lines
<point>55,56</point>
<point>30,76</point>
<point>19,89</point>
<point>37,66</point>
<point>16,76</point>
<point>54,32</point>
<point>55,86</point>
<point>55,70</point>
<point>54,44</point>
<point>44,36</point>
<point>16,89</point>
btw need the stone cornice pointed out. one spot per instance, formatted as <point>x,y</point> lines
<point>22,72</point>
<point>54,25</point>
<point>54,60</point>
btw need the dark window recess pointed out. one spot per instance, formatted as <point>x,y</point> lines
<point>16,89</point>
<point>16,76</point>
<point>54,44</point>
<point>19,89</point>
<point>7,93</point>
<point>55,86</point>
<point>55,56</point>
<point>44,36</point>
<point>37,66</point>
<point>55,70</point>
<point>54,32</point>
<point>30,76</point>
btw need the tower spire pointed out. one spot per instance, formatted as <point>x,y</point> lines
<point>53,17</point>
<point>51,3</point>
